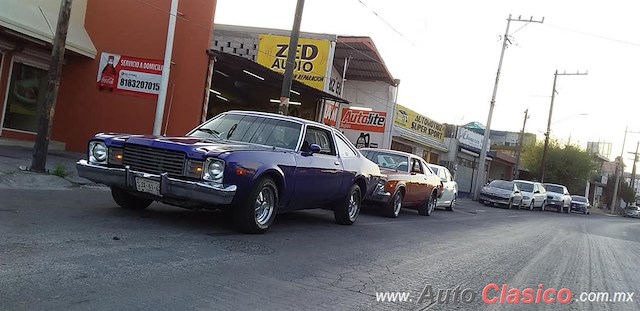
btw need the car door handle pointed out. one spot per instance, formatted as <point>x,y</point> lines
<point>336,162</point>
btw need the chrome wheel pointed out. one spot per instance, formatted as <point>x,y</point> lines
<point>397,204</point>
<point>354,205</point>
<point>265,204</point>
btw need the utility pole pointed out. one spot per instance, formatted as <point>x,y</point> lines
<point>291,59</point>
<point>481,176</point>
<point>619,172</point>
<point>633,169</point>
<point>521,141</point>
<point>166,68</point>
<point>41,147</point>
<point>543,162</point>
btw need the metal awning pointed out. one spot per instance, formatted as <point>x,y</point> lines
<point>419,139</point>
<point>38,19</point>
<point>365,63</point>
<point>235,65</point>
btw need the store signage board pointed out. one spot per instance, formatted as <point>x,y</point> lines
<point>470,138</point>
<point>312,58</point>
<point>360,120</point>
<point>419,124</point>
<point>129,75</point>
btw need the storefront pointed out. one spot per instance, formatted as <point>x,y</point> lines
<point>464,156</point>
<point>360,105</point>
<point>104,38</point>
<point>417,134</point>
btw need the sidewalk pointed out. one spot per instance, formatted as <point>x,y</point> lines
<point>16,159</point>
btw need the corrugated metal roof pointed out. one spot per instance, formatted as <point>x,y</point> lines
<point>366,63</point>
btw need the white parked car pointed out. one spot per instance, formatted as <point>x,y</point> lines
<point>450,187</point>
<point>533,193</point>
<point>559,197</point>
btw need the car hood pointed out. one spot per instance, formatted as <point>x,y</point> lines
<point>495,190</point>
<point>390,172</point>
<point>194,147</point>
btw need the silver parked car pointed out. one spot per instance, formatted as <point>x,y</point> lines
<point>558,197</point>
<point>450,187</point>
<point>501,192</point>
<point>632,211</point>
<point>534,195</point>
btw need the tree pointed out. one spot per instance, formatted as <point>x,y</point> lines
<point>626,193</point>
<point>567,165</point>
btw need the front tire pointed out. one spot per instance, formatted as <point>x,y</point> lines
<point>510,205</point>
<point>543,206</point>
<point>427,208</point>
<point>258,211</point>
<point>347,211</point>
<point>128,200</point>
<point>392,209</point>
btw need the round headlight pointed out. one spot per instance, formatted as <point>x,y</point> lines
<point>215,169</point>
<point>99,152</point>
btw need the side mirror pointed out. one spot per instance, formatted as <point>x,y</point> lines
<point>444,179</point>
<point>314,148</point>
<point>537,191</point>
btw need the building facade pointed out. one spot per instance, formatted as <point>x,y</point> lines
<point>104,37</point>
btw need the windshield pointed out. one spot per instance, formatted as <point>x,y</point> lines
<point>525,187</point>
<point>434,169</point>
<point>578,199</point>
<point>506,185</point>
<point>552,188</point>
<point>252,129</point>
<point>388,160</point>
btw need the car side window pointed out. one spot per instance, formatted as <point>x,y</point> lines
<point>320,137</point>
<point>344,150</point>
<point>416,166</point>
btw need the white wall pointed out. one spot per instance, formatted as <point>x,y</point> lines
<point>378,96</point>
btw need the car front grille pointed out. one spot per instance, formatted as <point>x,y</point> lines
<point>154,160</point>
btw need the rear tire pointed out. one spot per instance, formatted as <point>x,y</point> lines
<point>347,211</point>
<point>427,207</point>
<point>128,200</point>
<point>392,209</point>
<point>453,202</point>
<point>258,211</point>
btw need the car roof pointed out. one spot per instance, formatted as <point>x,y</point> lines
<point>396,152</point>
<point>279,116</point>
<point>578,196</point>
<point>525,181</point>
<point>550,184</point>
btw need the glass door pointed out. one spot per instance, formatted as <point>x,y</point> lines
<point>25,98</point>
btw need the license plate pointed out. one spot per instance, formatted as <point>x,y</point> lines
<point>148,186</point>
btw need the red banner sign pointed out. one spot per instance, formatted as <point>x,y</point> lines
<point>367,121</point>
<point>129,75</point>
<point>330,116</point>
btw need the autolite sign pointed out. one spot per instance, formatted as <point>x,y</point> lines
<point>366,121</point>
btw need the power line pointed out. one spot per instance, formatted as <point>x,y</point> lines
<point>386,22</point>
<point>595,35</point>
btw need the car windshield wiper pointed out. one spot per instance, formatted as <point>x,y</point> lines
<point>209,131</point>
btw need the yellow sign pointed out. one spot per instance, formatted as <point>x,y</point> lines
<point>418,123</point>
<point>312,58</point>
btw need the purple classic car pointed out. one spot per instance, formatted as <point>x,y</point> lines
<point>256,164</point>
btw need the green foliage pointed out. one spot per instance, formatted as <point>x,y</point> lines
<point>60,170</point>
<point>625,192</point>
<point>568,165</point>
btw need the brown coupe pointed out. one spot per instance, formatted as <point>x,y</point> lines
<point>410,182</point>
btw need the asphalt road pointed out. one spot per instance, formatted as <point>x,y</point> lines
<point>75,250</point>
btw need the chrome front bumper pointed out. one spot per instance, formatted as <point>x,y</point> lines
<point>494,200</point>
<point>379,195</point>
<point>171,188</point>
